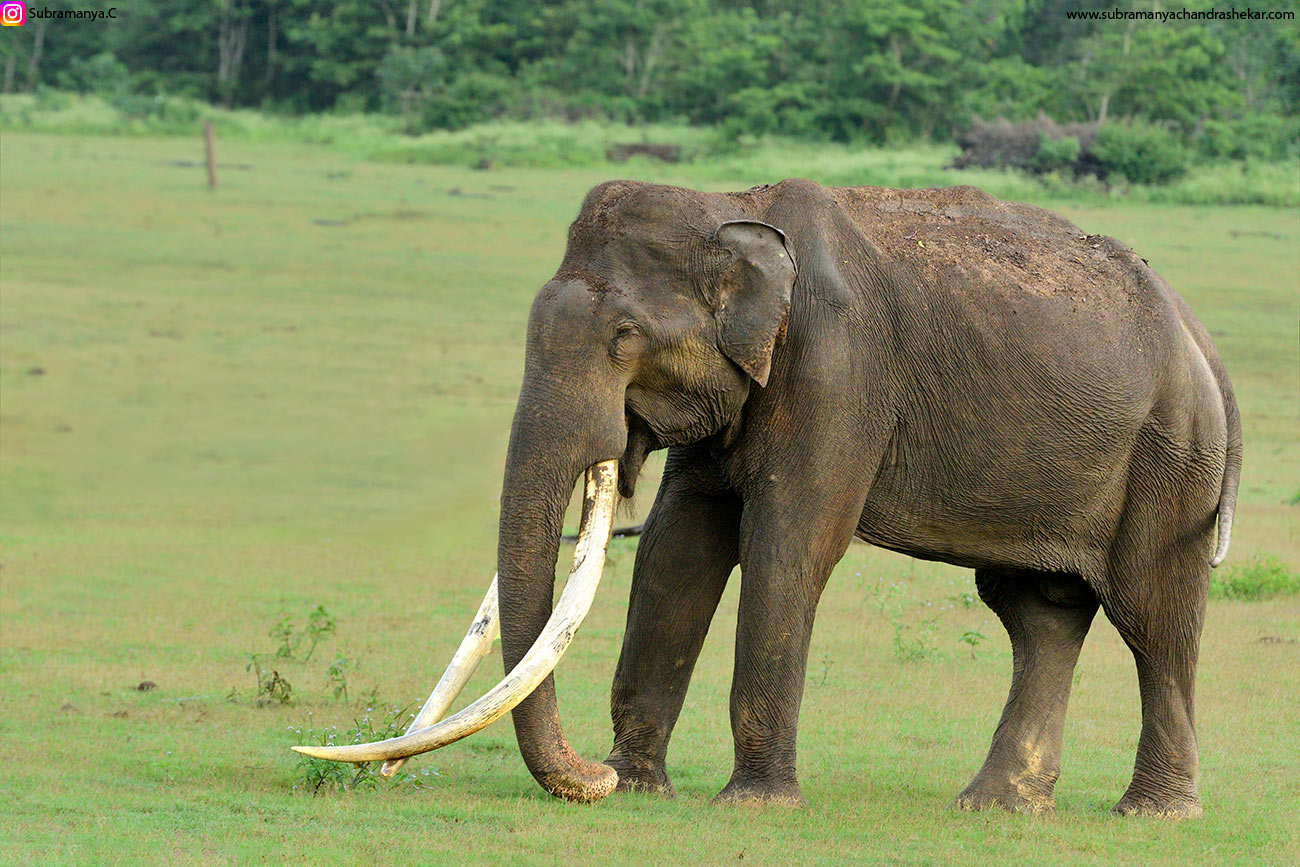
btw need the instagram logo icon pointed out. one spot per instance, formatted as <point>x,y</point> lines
<point>13,13</point>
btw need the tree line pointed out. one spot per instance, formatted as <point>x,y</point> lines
<point>843,70</point>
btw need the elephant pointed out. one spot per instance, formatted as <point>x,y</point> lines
<point>935,372</point>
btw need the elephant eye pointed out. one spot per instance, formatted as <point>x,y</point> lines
<point>622,344</point>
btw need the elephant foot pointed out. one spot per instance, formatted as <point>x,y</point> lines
<point>1166,794</point>
<point>632,777</point>
<point>783,794</point>
<point>1137,804</point>
<point>1010,797</point>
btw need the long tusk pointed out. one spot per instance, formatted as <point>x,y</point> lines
<point>541,659</point>
<point>477,642</point>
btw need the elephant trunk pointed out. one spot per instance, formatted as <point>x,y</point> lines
<point>427,733</point>
<point>540,470</point>
<point>570,418</point>
<point>545,456</point>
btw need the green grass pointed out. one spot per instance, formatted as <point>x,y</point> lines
<point>218,410</point>
<point>705,153</point>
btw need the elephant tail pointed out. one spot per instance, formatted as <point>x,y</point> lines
<point>1232,419</point>
<point>1232,464</point>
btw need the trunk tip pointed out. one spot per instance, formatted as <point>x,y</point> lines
<point>585,783</point>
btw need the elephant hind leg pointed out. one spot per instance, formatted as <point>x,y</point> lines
<point>1158,606</point>
<point>1047,617</point>
<point>1154,592</point>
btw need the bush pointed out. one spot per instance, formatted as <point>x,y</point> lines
<point>1142,152</point>
<point>1139,152</point>
<point>536,144</point>
<point>1230,183</point>
<point>1056,155</point>
<point>1001,144</point>
<point>55,111</point>
<point>1259,137</point>
<point>100,73</point>
<point>1263,577</point>
<point>159,112</point>
<point>472,98</point>
<point>406,76</point>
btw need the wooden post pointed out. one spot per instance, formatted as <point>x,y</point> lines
<point>210,139</point>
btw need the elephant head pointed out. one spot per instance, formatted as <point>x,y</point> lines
<point>664,312</point>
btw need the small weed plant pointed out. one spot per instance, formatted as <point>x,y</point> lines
<point>294,649</point>
<point>915,642</point>
<point>320,623</point>
<point>827,664</point>
<point>965,599</point>
<point>336,677</point>
<point>916,625</point>
<point>272,687</point>
<point>973,638</point>
<point>318,776</point>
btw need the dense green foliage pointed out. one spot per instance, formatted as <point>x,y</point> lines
<point>846,70</point>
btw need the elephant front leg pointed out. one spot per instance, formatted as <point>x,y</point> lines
<point>686,554</point>
<point>784,567</point>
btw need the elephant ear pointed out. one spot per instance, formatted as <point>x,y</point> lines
<point>753,295</point>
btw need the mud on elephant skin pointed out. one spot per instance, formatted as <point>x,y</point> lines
<point>934,371</point>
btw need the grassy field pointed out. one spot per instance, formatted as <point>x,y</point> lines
<point>219,410</point>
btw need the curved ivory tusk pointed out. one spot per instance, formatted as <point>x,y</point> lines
<point>588,562</point>
<point>477,642</point>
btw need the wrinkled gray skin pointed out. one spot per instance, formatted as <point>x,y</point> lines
<point>937,372</point>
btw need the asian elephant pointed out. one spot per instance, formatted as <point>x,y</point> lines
<point>934,371</point>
